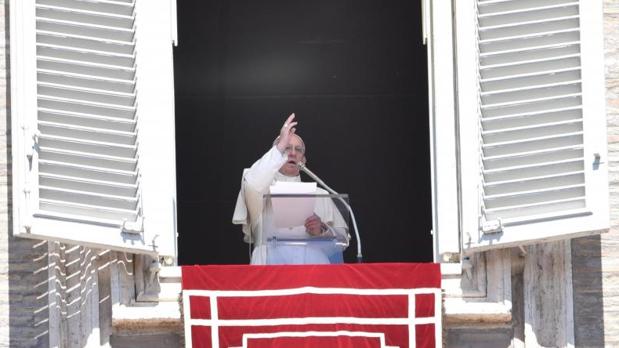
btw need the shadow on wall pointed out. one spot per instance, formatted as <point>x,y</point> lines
<point>588,292</point>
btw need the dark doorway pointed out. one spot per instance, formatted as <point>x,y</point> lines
<point>355,74</point>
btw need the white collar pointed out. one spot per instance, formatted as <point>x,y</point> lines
<point>281,177</point>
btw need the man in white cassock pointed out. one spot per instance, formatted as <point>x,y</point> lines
<point>280,164</point>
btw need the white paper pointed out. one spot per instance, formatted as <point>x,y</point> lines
<point>292,211</point>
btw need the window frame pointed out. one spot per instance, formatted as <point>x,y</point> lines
<point>438,26</point>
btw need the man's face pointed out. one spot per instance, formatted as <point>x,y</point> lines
<point>296,154</point>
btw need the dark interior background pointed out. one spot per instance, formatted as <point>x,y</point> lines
<point>355,74</point>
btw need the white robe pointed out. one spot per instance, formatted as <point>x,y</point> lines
<point>249,207</point>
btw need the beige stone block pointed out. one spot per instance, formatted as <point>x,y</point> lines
<point>609,240</point>
<point>610,7</point>
<point>611,283</point>
<point>611,300</point>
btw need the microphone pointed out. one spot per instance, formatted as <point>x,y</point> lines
<point>332,191</point>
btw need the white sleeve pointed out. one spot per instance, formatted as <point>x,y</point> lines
<point>254,183</point>
<point>261,174</point>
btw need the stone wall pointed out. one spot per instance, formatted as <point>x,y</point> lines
<point>595,260</point>
<point>610,242</point>
<point>23,263</point>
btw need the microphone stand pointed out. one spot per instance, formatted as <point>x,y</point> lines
<point>332,191</point>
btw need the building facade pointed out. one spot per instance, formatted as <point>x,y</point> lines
<point>551,292</point>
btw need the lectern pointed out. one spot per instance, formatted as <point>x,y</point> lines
<point>285,240</point>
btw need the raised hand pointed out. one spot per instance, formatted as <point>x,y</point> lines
<point>286,132</point>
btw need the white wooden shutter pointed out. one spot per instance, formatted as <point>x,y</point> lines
<point>532,120</point>
<point>93,123</point>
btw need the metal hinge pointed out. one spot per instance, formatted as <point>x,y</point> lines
<point>467,267</point>
<point>492,226</point>
<point>134,227</point>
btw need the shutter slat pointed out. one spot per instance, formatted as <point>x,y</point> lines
<point>81,95</point>
<point>81,106</point>
<point>511,91</point>
<point>123,125</point>
<point>522,185</point>
<point>91,134</point>
<point>571,110</point>
<point>81,197</point>
<point>532,157</point>
<point>111,7</point>
<point>522,172</point>
<point>531,63</point>
<point>511,58</point>
<point>90,160</point>
<point>528,29</point>
<point>85,69</point>
<point>533,107</point>
<point>532,93</point>
<point>529,42</point>
<point>531,144</point>
<point>82,145</point>
<point>87,211</point>
<point>82,29</point>
<point>534,15</point>
<point>81,16</point>
<point>549,45</point>
<point>518,6</point>
<point>79,184</point>
<point>544,79</point>
<point>95,173</point>
<point>554,94</point>
<point>85,42</point>
<point>506,41</point>
<point>76,81</point>
<point>52,57</point>
<point>516,189</point>
<point>113,83</point>
<point>87,56</point>
<point>532,211</point>
<point>532,130</point>
<point>537,66</point>
<point>487,2</point>
<point>534,197</point>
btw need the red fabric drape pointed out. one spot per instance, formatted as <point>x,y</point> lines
<point>291,308</point>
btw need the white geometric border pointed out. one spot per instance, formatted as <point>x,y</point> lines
<point>255,336</point>
<point>215,322</point>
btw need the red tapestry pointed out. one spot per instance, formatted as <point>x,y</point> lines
<point>346,305</point>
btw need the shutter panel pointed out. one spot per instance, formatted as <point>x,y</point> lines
<point>538,114</point>
<point>91,129</point>
<point>88,158</point>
